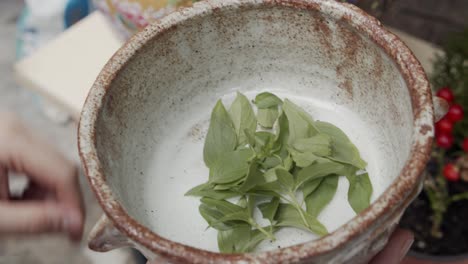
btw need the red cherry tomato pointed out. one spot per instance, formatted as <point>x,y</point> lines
<point>446,93</point>
<point>444,126</point>
<point>451,172</point>
<point>465,145</point>
<point>455,113</point>
<point>444,141</point>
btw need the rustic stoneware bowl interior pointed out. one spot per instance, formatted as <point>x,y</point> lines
<point>150,128</point>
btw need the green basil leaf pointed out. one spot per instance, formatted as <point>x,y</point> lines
<point>267,100</point>
<point>269,209</point>
<point>250,138</point>
<point>242,201</point>
<point>318,170</point>
<point>228,186</point>
<point>205,190</point>
<point>230,166</point>
<point>310,186</point>
<point>282,131</point>
<point>241,239</point>
<point>255,238</point>
<point>267,117</point>
<point>197,189</point>
<point>236,216</point>
<point>232,240</point>
<point>288,215</point>
<point>359,192</point>
<point>212,216</point>
<point>317,200</point>
<point>254,177</point>
<point>302,159</point>
<point>251,205</point>
<point>243,118</point>
<point>269,189</point>
<point>264,142</point>
<point>319,145</point>
<point>343,150</point>
<point>222,206</point>
<point>285,179</point>
<point>270,162</point>
<point>221,136</point>
<point>288,163</point>
<point>270,175</point>
<point>301,124</point>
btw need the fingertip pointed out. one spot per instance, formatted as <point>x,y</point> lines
<point>74,223</point>
<point>398,246</point>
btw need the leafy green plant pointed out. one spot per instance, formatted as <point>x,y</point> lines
<point>449,154</point>
<point>291,161</point>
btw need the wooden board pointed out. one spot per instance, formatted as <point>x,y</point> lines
<point>65,69</point>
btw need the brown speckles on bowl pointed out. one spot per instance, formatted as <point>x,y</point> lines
<point>218,45</point>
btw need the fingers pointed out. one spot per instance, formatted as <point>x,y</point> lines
<point>34,217</point>
<point>24,152</point>
<point>4,187</point>
<point>396,249</point>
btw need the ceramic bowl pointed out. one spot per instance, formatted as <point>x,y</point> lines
<point>143,125</point>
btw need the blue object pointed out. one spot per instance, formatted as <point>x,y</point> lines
<point>75,10</point>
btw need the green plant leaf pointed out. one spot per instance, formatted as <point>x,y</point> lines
<point>269,189</point>
<point>310,186</point>
<point>242,201</point>
<point>318,170</point>
<point>212,216</point>
<point>267,117</point>
<point>205,190</point>
<point>222,206</point>
<point>318,199</point>
<point>282,130</point>
<point>229,185</point>
<point>302,159</point>
<point>264,142</point>
<point>288,163</point>
<point>359,192</point>
<point>270,175</point>
<point>254,177</point>
<point>285,179</point>
<point>269,209</point>
<point>236,216</point>
<point>255,238</point>
<point>241,239</point>
<point>319,145</point>
<point>271,162</point>
<point>231,166</point>
<point>243,118</point>
<point>301,125</point>
<point>288,215</point>
<point>343,150</point>
<point>251,205</point>
<point>267,100</point>
<point>221,136</point>
<point>231,241</point>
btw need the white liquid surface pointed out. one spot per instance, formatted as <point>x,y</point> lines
<point>178,166</point>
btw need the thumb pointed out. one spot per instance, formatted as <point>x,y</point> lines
<point>39,217</point>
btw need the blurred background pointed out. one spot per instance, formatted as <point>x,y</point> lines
<point>49,101</point>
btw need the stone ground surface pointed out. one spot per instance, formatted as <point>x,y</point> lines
<point>427,19</point>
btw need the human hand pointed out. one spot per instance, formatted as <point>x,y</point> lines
<point>395,250</point>
<point>52,202</point>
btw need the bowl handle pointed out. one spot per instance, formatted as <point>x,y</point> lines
<point>440,107</point>
<point>104,236</point>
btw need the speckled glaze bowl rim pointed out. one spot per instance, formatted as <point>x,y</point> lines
<point>407,181</point>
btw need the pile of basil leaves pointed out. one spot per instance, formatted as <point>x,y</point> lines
<point>288,169</point>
